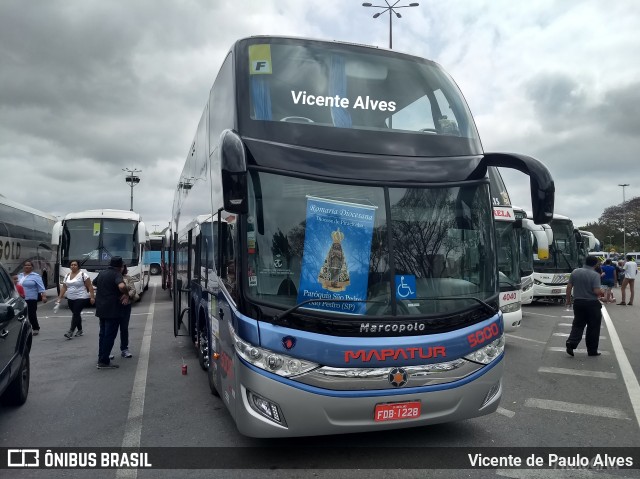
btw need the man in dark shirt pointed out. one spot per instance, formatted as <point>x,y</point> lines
<point>111,295</point>
<point>585,285</point>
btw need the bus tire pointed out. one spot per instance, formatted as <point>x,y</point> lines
<point>203,350</point>
<point>154,269</point>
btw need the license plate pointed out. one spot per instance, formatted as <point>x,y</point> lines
<point>556,291</point>
<point>396,411</point>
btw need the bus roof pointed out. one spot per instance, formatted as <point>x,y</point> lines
<point>19,206</point>
<point>104,213</point>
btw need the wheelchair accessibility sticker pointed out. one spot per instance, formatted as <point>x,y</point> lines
<point>405,286</point>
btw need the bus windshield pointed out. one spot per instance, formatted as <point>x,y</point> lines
<point>308,239</point>
<point>94,241</point>
<point>563,253</point>
<point>319,85</point>
<point>526,251</point>
<point>507,255</point>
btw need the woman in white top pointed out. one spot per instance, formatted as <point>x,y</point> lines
<point>630,273</point>
<point>79,291</point>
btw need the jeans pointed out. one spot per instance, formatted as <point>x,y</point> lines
<point>106,338</point>
<point>586,313</point>
<point>124,328</point>
<point>76,306</point>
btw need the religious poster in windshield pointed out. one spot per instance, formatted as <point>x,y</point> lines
<point>337,247</point>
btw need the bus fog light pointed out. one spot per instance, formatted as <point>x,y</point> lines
<point>265,408</point>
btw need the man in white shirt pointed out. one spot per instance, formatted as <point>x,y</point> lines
<point>630,273</point>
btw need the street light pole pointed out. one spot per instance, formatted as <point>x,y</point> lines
<point>133,180</point>
<point>392,11</point>
<point>624,220</point>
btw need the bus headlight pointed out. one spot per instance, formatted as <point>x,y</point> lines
<point>488,353</point>
<point>271,361</point>
<point>511,307</point>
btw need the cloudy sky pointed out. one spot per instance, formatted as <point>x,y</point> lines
<point>89,87</point>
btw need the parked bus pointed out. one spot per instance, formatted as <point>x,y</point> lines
<point>334,243</point>
<point>154,254</point>
<point>530,236</point>
<point>508,252</point>
<point>92,237</point>
<point>167,256</point>
<point>566,252</point>
<point>590,241</point>
<point>25,235</point>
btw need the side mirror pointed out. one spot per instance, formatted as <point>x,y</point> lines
<point>540,181</point>
<point>7,313</point>
<point>233,164</point>
<point>142,232</point>
<point>56,232</point>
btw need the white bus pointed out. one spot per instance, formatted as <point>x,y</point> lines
<point>25,236</point>
<point>566,253</point>
<point>591,242</point>
<point>530,236</point>
<point>92,237</point>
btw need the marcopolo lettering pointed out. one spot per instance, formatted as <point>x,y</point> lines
<point>392,327</point>
<point>395,354</point>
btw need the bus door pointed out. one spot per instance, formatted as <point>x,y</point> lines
<point>227,266</point>
<point>183,281</point>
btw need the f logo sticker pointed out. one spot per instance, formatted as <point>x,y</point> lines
<point>260,59</point>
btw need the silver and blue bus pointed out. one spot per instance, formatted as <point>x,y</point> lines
<point>333,242</point>
<point>25,235</point>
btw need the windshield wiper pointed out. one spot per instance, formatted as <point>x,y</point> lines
<point>280,318</point>
<point>101,248</point>
<point>486,306</point>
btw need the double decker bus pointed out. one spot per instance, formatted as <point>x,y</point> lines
<point>335,261</point>
<point>25,235</point>
<point>93,237</point>
<point>566,253</point>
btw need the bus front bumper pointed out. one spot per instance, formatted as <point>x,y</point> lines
<point>311,413</point>
<point>544,291</point>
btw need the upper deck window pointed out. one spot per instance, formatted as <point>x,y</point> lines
<point>348,87</point>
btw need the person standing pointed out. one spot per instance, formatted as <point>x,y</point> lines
<point>608,280</point>
<point>584,283</point>
<point>79,291</point>
<point>630,273</point>
<point>124,319</point>
<point>33,290</point>
<point>111,296</point>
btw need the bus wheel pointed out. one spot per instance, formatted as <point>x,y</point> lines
<point>203,350</point>
<point>212,380</point>
<point>154,269</point>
